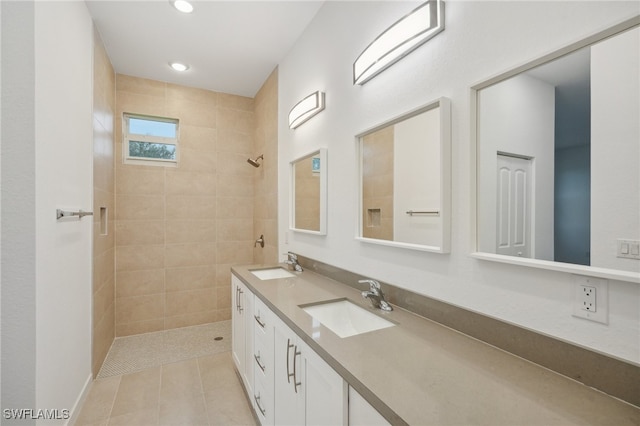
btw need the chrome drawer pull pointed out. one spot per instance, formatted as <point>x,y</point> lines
<point>289,346</point>
<point>260,323</point>
<point>257,357</point>
<point>262,410</point>
<point>295,382</point>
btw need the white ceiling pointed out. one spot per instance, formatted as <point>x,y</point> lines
<point>230,46</point>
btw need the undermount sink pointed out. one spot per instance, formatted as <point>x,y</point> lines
<point>345,318</point>
<point>272,273</point>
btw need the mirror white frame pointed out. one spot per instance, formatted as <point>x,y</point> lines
<point>513,260</point>
<point>445,177</point>
<point>321,153</point>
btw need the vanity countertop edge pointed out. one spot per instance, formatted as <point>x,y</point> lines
<point>421,372</point>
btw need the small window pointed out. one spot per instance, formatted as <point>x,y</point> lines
<point>149,140</point>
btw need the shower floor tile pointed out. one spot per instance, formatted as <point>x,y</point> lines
<point>175,377</point>
<point>135,353</point>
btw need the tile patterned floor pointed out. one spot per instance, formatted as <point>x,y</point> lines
<point>198,391</point>
<point>139,352</point>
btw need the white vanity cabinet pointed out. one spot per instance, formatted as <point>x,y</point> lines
<point>289,383</point>
<point>242,331</point>
<point>263,363</point>
<point>307,390</point>
<point>361,413</point>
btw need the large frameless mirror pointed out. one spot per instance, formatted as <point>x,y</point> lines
<point>558,150</point>
<point>404,180</point>
<point>309,193</point>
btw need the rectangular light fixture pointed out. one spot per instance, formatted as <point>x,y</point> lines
<point>306,108</point>
<point>400,39</point>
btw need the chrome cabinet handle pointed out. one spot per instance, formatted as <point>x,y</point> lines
<point>237,298</point>
<point>257,398</point>
<point>289,346</point>
<point>240,300</point>
<point>260,323</point>
<point>257,357</point>
<point>296,383</point>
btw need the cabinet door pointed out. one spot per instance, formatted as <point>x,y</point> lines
<point>288,377</point>
<point>325,396</point>
<point>238,325</point>
<point>361,413</point>
<point>247,312</point>
<point>242,332</point>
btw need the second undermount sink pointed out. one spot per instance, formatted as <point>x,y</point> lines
<point>271,273</point>
<point>345,318</point>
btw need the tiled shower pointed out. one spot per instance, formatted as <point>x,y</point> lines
<point>168,236</point>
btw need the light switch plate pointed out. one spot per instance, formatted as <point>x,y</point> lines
<point>628,249</point>
<point>591,298</point>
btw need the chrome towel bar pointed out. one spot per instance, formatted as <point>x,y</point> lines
<point>80,213</point>
<point>429,212</point>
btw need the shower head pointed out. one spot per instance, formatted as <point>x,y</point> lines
<point>254,162</point>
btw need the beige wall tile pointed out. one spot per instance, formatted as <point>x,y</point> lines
<point>103,267</point>
<point>139,232</point>
<point>139,207</point>
<point>191,113</point>
<point>190,278</point>
<point>138,180</point>
<point>197,207</point>
<point>232,251</point>
<point>190,301</point>
<point>180,182</point>
<point>190,254</point>
<point>235,230</point>
<point>138,283</point>
<point>192,231</point>
<point>139,327</point>
<point>139,308</point>
<point>132,258</point>
<point>236,102</point>
<point>188,320</point>
<point>198,138</point>
<point>234,141</point>
<point>197,160</point>
<point>178,230</point>
<point>223,296</point>
<point>234,186</point>
<point>192,94</point>
<point>235,207</point>
<point>141,86</point>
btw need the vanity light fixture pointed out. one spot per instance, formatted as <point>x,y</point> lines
<point>400,39</point>
<point>178,66</point>
<point>182,5</point>
<point>306,108</point>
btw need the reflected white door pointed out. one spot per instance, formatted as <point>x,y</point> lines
<point>514,206</point>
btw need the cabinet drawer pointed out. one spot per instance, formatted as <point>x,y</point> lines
<point>263,323</point>
<point>263,366</point>
<point>263,402</point>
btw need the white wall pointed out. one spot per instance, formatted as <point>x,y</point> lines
<point>416,182</point>
<point>64,158</point>
<point>615,132</point>
<point>481,39</point>
<point>516,116</point>
<point>47,164</point>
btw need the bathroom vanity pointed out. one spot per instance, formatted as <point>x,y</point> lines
<point>408,370</point>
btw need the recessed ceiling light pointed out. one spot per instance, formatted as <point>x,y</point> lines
<point>183,6</point>
<point>178,66</point>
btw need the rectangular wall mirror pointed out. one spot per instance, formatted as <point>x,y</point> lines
<point>405,180</point>
<point>558,150</point>
<point>309,193</point>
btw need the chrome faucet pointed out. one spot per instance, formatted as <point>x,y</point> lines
<point>375,295</point>
<point>292,261</point>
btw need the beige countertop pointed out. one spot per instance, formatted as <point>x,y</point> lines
<point>422,373</point>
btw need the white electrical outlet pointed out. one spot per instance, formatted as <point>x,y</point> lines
<point>591,299</point>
